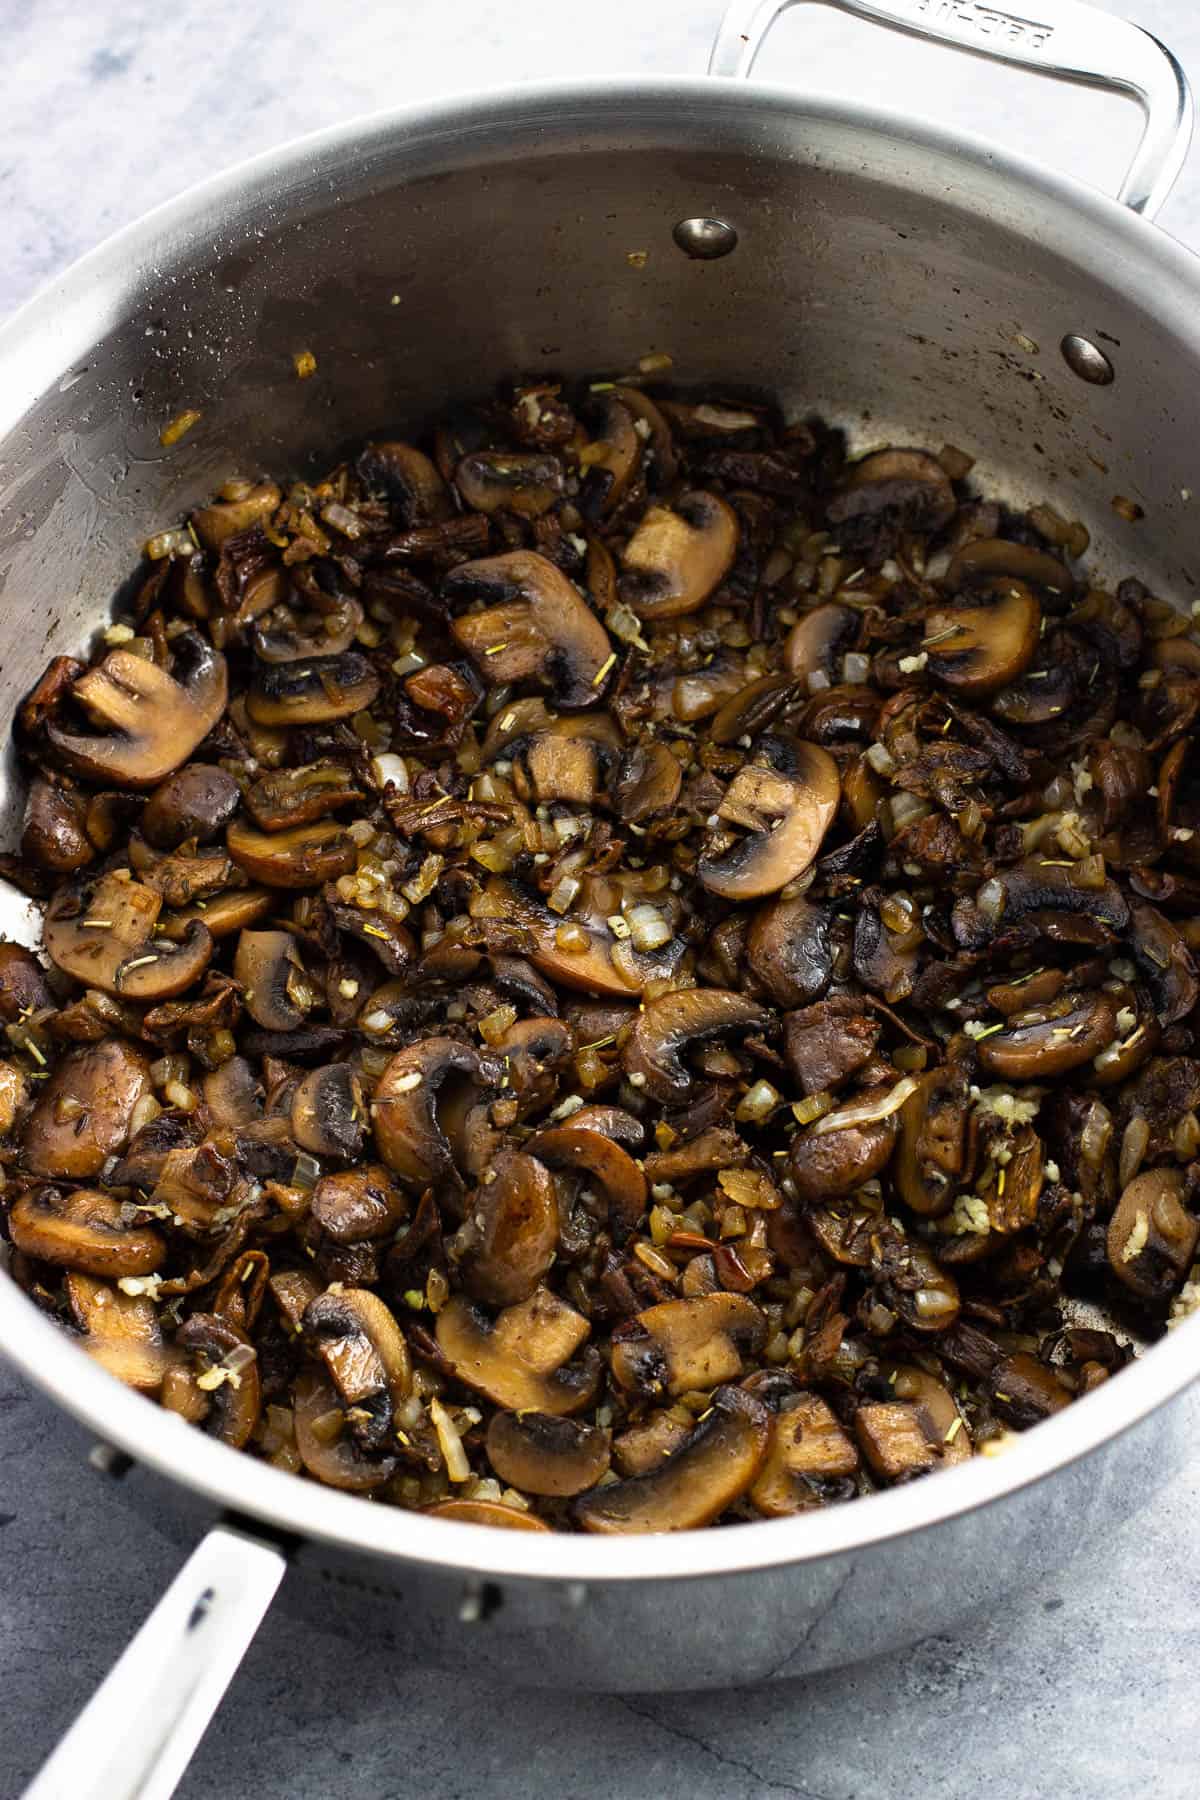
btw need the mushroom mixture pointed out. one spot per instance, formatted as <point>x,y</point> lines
<point>624,969</point>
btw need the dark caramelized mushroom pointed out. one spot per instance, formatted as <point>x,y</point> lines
<point>312,691</point>
<point>1051,1039</point>
<point>275,989</point>
<point>329,1114</point>
<point>329,1452</point>
<point>1152,1237</point>
<point>404,1107</point>
<point>537,1453</point>
<point>357,1206</point>
<point>786,803</point>
<point>596,1159</point>
<point>645,782</point>
<point>527,483</point>
<point>85,1112</point>
<point>694,1484</point>
<point>789,947</point>
<point>900,489</point>
<point>534,624</point>
<point>510,1235</point>
<point>982,644</point>
<point>667,1028</point>
<point>195,802</point>
<point>55,836</point>
<point>367,1358</point>
<point>288,797</point>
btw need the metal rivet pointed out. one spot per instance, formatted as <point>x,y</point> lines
<point>1084,359</point>
<point>705,239</point>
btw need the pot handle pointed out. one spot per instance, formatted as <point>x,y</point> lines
<point>136,1735</point>
<point>1068,39</point>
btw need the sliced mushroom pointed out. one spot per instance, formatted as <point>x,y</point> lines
<point>223,1394</point>
<point>84,1230</point>
<point>522,1361</point>
<point>787,800</point>
<point>14,1094</point>
<point>358,1206</point>
<point>367,1357</point>
<point>157,720</point>
<point>1152,1237</point>
<point>931,1157</point>
<point>907,490</point>
<point>23,988</point>
<point>528,483</point>
<point>509,1237</point>
<point>1051,1039</point>
<point>313,691</point>
<point>233,1093</point>
<point>1025,1391</point>
<point>537,1453</point>
<point>645,782</point>
<point>55,836</point>
<point>275,990</point>
<point>221,916</point>
<point>818,641</point>
<point>684,1345</point>
<point>659,450</point>
<point>536,625</point>
<point>304,856</point>
<point>599,1161</point>
<point>329,1113</point>
<point>492,1513</point>
<point>121,1331</point>
<point>84,1113</point>
<point>534,1051</point>
<point>195,802</point>
<point>1166,964</point>
<point>825,1165</point>
<point>287,797</point>
<point>611,457</point>
<point>667,1027</point>
<point>989,559</point>
<point>102,935</point>
<point>1044,896</point>
<point>328,1451</point>
<point>563,762</point>
<point>407,1129</point>
<point>981,645</point>
<point>280,636</point>
<point>916,1287</point>
<point>895,1438</point>
<point>253,505</point>
<point>696,1483</point>
<point>789,948</point>
<point>807,1448</point>
<point>405,477</point>
<point>943,1420</point>
<point>678,556</point>
<point>580,955</point>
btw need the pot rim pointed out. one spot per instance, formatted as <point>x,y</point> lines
<point>40,344</point>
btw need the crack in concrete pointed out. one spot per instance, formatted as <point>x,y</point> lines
<point>777,1669</point>
<point>718,1756</point>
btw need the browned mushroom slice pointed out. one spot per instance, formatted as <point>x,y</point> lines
<point>283,637</point>
<point>678,556</point>
<point>645,782</point>
<point>643,1445</point>
<point>302,857</point>
<point>14,1094</point>
<point>659,452</point>
<point>156,719</point>
<point>581,954</point>
<point>221,1391</point>
<point>1043,895</point>
<point>23,988</point>
<point>121,1331</point>
<point>907,489</point>
<point>564,761</point>
<point>1051,1039</point>
<point>329,1113</point>
<point>988,559</point>
<point>195,802</point>
<point>753,707</point>
<point>667,1027</point>
<point>1025,1391</point>
<point>358,1206</point>
<point>696,1483</point>
<point>287,797</point>
<point>534,624</point>
<point>942,1418</point>
<point>275,989</point>
<point>537,1453</point>
<point>367,1357</point>
<point>818,641</point>
<point>522,1361</point>
<point>509,1237</point>
<point>894,1436</point>
<point>84,1230</point>
<point>404,1108</point>
<point>84,1113</point>
<point>787,801</point>
<point>222,915</point>
<point>534,1051</point>
<point>313,691</point>
<point>54,835</point>
<point>329,1452</point>
<point>528,483</point>
<point>253,505</point>
<point>1152,1237</point>
<point>915,1286</point>
<point>983,644</point>
<point>789,948</point>
<point>684,1345</point>
<point>611,457</point>
<point>492,1513</point>
<point>103,936</point>
<point>233,1093</point>
<point>851,1150</point>
<point>611,1122</point>
<point>601,1162</point>
<point>807,1448</point>
<point>931,1157</point>
<point>405,477</point>
<point>1166,964</point>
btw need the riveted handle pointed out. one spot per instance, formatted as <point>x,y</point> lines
<point>1065,38</point>
<point>135,1737</point>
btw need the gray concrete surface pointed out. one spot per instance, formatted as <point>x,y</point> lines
<point>1084,1689</point>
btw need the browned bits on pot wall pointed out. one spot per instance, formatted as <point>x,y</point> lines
<point>616,968</point>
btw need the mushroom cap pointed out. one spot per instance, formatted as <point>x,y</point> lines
<point>404,1107</point>
<point>102,933</point>
<point>156,720</point>
<point>597,1159</point>
<point>979,645</point>
<point>510,1236</point>
<point>538,624</point>
<point>83,1230</point>
<point>667,1026</point>
<point>106,1081</point>
<point>787,801</point>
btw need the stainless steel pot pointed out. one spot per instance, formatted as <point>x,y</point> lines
<point>913,285</point>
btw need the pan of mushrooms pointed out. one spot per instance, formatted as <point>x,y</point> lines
<point>600,973</point>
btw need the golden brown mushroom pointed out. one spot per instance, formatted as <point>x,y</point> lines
<point>287,797</point>
<point>103,934</point>
<point>301,857</point>
<point>157,719</point>
<point>597,1160</point>
<point>249,505</point>
<point>84,1113</point>
<point>330,1452</point>
<point>534,624</point>
<point>786,800</point>
<point>1051,1039</point>
<point>509,1237</point>
<point>537,1453</point>
<point>681,1345</point>
<point>1152,1237</point>
<point>667,1027</point>
<point>121,1331</point>
<point>275,989</point>
<point>404,1108</point>
<point>55,835</point>
<point>896,1439</point>
<point>612,456</point>
<point>313,690</point>
<point>357,1206</point>
<point>679,556</point>
<point>84,1230</point>
<point>931,1157</point>
<point>365,1353</point>
<point>492,1513</point>
<point>694,1484</point>
<point>329,1112</point>
<point>985,642</point>
<point>522,1360</point>
<point>528,483</point>
<point>807,1448</point>
<point>819,639</point>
